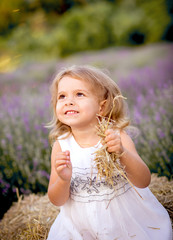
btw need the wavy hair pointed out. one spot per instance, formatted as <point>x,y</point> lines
<point>101,85</point>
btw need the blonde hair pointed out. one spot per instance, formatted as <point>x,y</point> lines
<point>107,90</point>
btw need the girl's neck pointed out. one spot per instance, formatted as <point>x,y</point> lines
<point>86,138</point>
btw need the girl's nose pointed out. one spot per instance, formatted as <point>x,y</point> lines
<point>69,102</point>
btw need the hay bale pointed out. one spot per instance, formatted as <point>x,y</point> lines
<point>31,217</point>
<point>163,190</point>
<point>28,219</point>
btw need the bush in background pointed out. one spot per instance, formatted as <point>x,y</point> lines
<point>92,26</point>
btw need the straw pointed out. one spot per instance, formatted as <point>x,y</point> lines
<point>108,164</point>
<point>29,218</point>
<point>163,190</point>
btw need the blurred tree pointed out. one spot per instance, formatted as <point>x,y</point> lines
<point>85,29</point>
<point>59,28</point>
<point>169,4</point>
<point>136,38</point>
<point>56,6</point>
<point>10,12</point>
<point>168,34</point>
<point>16,12</point>
<point>156,18</point>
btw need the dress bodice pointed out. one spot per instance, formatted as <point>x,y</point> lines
<point>86,186</point>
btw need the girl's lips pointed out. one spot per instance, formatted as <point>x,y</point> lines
<point>71,112</point>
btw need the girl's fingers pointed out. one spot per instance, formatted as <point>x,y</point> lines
<point>67,152</point>
<point>113,141</point>
<point>111,149</point>
<point>69,165</point>
<point>115,149</point>
<point>111,135</point>
<point>60,168</point>
<point>61,162</point>
<point>63,155</point>
<point>63,166</point>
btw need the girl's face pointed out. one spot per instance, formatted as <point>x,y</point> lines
<point>77,105</point>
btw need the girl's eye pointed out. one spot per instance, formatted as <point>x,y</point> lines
<point>80,94</point>
<point>62,96</point>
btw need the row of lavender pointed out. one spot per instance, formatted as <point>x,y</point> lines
<point>24,112</point>
<point>24,145</point>
<point>150,91</point>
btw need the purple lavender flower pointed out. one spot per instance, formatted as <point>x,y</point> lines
<point>44,174</point>
<point>158,117</point>
<point>160,132</point>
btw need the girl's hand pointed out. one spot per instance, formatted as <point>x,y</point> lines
<point>63,165</point>
<point>113,141</point>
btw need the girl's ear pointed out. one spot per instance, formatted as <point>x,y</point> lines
<point>102,107</point>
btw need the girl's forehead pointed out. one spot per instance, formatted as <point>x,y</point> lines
<point>69,82</point>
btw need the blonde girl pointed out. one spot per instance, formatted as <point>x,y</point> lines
<point>91,208</point>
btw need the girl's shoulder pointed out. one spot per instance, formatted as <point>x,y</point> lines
<point>63,137</point>
<point>61,144</point>
<point>56,147</point>
<point>65,142</point>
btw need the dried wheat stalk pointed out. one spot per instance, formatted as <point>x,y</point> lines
<point>108,164</point>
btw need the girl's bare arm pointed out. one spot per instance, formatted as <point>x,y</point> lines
<point>60,177</point>
<point>137,171</point>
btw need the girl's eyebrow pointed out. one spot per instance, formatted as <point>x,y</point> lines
<point>76,90</point>
<point>81,90</point>
<point>60,92</point>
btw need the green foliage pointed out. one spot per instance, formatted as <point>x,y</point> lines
<point>147,17</point>
<point>100,25</point>
<point>94,25</point>
<point>84,29</point>
<point>10,15</point>
<point>15,13</point>
<point>156,18</point>
<point>124,22</point>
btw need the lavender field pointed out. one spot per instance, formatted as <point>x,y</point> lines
<point>145,75</point>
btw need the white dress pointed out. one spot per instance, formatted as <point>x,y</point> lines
<point>95,210</point>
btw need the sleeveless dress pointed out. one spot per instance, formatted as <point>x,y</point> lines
<point>96,210</point>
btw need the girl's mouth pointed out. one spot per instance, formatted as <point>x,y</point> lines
<point>71,112</point>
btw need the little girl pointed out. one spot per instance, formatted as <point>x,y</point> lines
<point>91,208</point>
